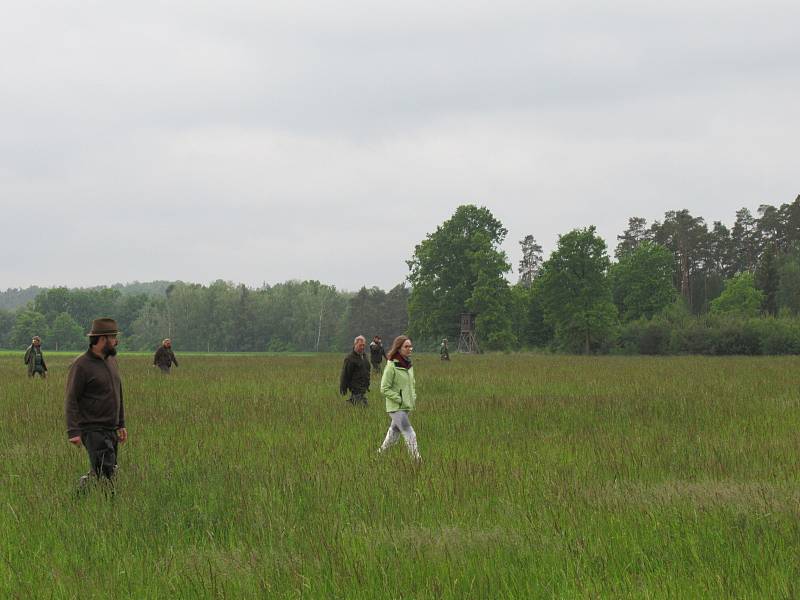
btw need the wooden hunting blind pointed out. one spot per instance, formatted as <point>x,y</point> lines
<point>467,342</point>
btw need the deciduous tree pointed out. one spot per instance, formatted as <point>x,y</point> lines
<point>642,281</point>
<point>65,333</point>
<point>740,297</point>
<point>453,270</point>
<point>576,292</point>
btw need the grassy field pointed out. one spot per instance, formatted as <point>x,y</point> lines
<point>542,476</point>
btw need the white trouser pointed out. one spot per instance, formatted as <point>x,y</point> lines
<point>401,424</point>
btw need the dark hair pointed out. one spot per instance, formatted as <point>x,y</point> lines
<point>396,345</point>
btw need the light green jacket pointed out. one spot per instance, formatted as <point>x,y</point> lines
<point>397,386</point>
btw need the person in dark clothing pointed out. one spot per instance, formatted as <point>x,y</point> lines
<point>376,353</point>
<point>165,357</point>
<point>444,352</point>
<point>93,404</point>
<point>35,359</point>
<point>355,374</point>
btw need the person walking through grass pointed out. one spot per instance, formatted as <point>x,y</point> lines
<point>376,353</point>
<point>35,359</point>
<point>355,374</point>
<point>93,403</point>
<point>397,386</point>
<point>164,357</point>
<point>444,351</point>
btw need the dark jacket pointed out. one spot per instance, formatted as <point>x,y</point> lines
<point>30,359</point>
<point>93,398</point>
<point>165,358</point>
<point>376,352</point>
<point>355,374</point>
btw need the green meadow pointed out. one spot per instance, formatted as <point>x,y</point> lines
<point>542,476</point>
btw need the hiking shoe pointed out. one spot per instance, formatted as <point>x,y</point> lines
<point>84,482</point>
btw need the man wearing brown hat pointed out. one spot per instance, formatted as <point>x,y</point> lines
<point>165,357</point>
<point>93,403</point>
<point>35,359</point>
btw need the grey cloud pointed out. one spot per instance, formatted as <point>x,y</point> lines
<point>262,140</point>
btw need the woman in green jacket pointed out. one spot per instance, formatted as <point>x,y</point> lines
<point>397,386</point>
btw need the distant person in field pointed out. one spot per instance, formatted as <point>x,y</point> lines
<point>93,403</point>
<point>444,353</point>
<point>35,359</point>
<point>376,353</point>
<point>397,386</point>
<point>164,357</point>
<point>355,374</point>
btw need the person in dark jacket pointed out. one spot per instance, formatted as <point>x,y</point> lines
<point>35,359</point>
<point>93,404</point>
<point>444,351</point>
<point>165,357</point>
<point>355,374</point>
<point>376,353</point>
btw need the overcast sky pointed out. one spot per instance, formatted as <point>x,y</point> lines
<point>254,140</point>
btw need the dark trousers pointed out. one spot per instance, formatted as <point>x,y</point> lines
<point>376,366</point>
<point>41,372</point>
<point>164,369</point>
<point>358,399</point>
<point>101,446</point>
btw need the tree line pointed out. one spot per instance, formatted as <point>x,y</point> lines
<point>675,285</point>
<point>298,316</point>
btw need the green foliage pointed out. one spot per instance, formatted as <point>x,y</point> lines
<point>740,297</point>
<point>85,305</point>
<point>788,293</point>
<point>16,298</point>
<point>531,262</point>
<point>779,336</point>
<point>66,334</point>
<point>576,294</point>
<point>632,237</point>
<point>491,299</point>
<point>373,312</point>
<point>27,324</point>
<point>686,237</point>
<point>150,327</point>
<point>7,319</point>
<point>222,317</point>
<point>460,268</point>
<point>767,280</point>
<point>641,281</point>
<point>150,289</point>
<point>645,336</point>
<point>530,326</point>
<point>726,334</point>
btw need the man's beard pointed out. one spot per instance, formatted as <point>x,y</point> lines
<point>110,351</point>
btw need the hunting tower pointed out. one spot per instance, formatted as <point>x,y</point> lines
<point>467,342</point>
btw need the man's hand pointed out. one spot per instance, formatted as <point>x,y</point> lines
<point>75,440</point>
<point>123,435</point>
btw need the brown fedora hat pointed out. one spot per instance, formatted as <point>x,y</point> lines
<point>104,326</point>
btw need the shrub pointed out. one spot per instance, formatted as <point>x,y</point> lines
<point>780,336</point>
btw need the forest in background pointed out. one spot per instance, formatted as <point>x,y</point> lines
<point>295,316</point>
<point>675,285</point>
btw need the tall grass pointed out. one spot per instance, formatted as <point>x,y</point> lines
<point>542,476</point>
